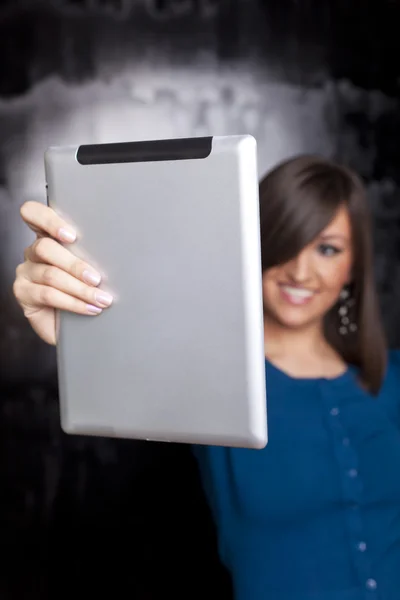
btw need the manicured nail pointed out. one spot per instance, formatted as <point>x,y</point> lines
<point>95,310</point>
<point>104,299</point>
<point>91,277</point>
<point>66,235</point>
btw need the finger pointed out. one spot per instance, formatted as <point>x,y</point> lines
<point>54,277</point>
<point>32,296</point>
<point>48,251</point>
<point>42,219</point>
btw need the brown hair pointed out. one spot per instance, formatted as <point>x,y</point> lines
<point>298,199</point>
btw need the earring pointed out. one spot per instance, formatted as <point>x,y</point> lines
<point>346,303</point>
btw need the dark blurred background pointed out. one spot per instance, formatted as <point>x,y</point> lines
<point>126,518</point>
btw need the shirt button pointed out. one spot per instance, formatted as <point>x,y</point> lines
<point>345,441</point>
<point>334,412</point>
<point>362,546</point>
<point>371,584</point>
<point>353,473</point>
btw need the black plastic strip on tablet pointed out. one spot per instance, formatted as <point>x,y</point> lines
<point>152,151</point>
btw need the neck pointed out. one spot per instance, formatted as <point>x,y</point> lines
<point>283,341</point>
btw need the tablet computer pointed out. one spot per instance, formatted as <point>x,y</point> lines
<point>173,227</point>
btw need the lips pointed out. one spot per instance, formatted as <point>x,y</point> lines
<point>296,295</point>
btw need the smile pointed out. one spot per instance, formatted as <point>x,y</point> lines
<point>296,295</point>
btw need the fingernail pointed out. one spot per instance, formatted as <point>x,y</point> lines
<point>93,309</point>
<point>91,277</point>
<point>103,298</point>
<point>66,235</point>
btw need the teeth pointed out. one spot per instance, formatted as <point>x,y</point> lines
<point>297,292</point>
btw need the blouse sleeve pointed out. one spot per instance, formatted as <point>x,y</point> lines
<point>214,474</point>
<point>201,456</point>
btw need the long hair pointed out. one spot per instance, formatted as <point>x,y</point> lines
<point>298,199</point>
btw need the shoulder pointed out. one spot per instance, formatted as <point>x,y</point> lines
<point>393,365</point>
<point>391,382</point>
<point>394,356</point>
<point>389,394</point>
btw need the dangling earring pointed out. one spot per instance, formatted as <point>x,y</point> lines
<point>346,303</point>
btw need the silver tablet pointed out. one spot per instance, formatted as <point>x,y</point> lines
<point>173,226</point>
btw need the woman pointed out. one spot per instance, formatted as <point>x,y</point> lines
<point>316,514</point>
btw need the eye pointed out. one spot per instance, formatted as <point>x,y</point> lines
<point>328,250</point>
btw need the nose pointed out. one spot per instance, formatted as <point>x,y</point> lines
<point>300,268</point>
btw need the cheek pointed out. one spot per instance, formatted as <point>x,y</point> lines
<point>271,294</point>
<point>337,274</point>
<point>268,283</point>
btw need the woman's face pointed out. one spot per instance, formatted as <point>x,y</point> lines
<point>300,292</point>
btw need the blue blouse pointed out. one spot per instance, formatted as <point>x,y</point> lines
<point>316,514</point>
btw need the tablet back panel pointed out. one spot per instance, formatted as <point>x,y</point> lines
<point>173,226</point>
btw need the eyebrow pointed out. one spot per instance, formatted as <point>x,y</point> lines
<point>330,236</point>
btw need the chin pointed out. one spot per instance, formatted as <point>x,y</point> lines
<point>294,324</point>
<point>295,321</point>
